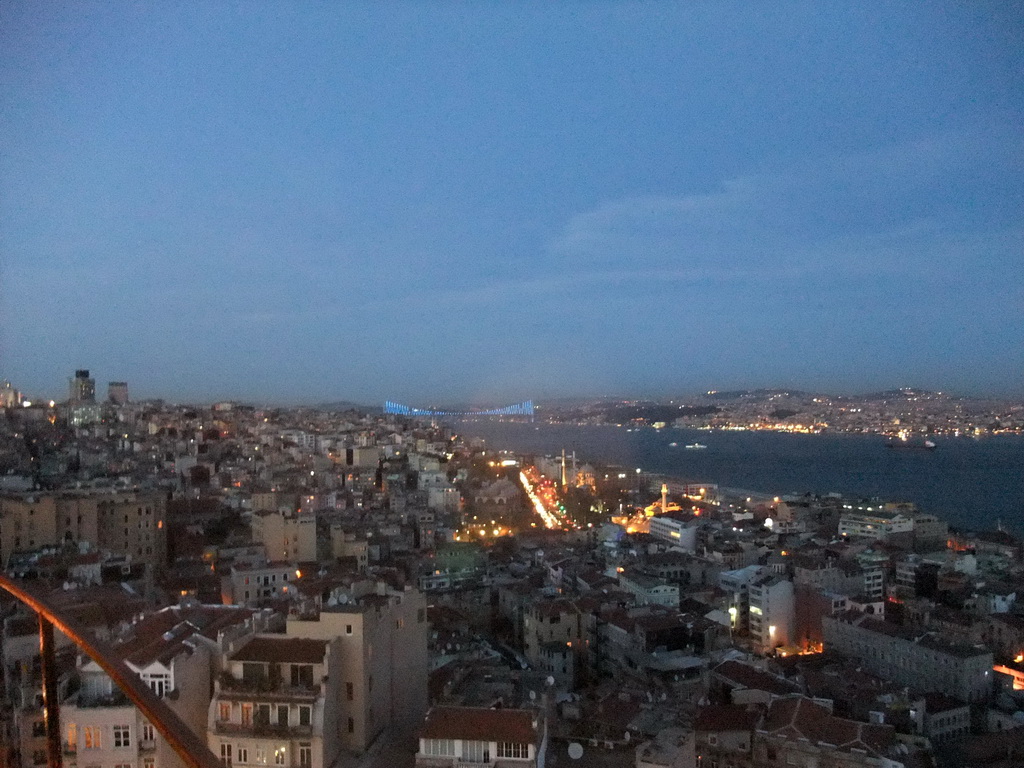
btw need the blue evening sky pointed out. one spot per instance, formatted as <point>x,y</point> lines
<point>495,201</point>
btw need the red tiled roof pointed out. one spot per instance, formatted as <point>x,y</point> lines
<point>726,717</point>
<point>798,717</point>
<point>295,650</point>
<point>747,676</point>
<point>477,724</point>
<point>161,636</point>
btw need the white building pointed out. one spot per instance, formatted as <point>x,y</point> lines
<point>453,737</point>
<point>679,532</point>
<point>177,660</point>
<point>772,612</point>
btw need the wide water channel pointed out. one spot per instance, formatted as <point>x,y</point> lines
<point>972,483</point>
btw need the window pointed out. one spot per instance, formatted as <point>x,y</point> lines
<point>148,732</point>
<point>512,749</point>
<point>243,755</point>
<point>348,629</point>
<point>305,755</point>
<point>72,737</point>
<point>261,756</point>
<point>123,765</point>
<point>262,714</point>
<point>38,729</point>
<point>351,725</point>
<point>302,675</point>
<point>122,736</point>
<point>224,711</point>
<point>93,737</point>
<point>246,714</point>
<point>350,691</point>
<point>279,755</point>
<point>159,683</point>
<point>225,754</point>
<point>149,762</point>
<point>282,715</point>
<point>439,747</point>
<point>476,751</point>
<point>305,715</point>
<point>712,740</point>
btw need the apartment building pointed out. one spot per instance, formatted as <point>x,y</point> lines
<point>552,636</point>
<point>771,612</point>
<point>130,523</point>
<point>874,523</point>
<point>248,584</point>
<point>287,536</point>
<point>676,529</point>
<point>915,659</point>
<point>382,661</point>
<point>278,702</point>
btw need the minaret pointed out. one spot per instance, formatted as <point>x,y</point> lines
<point>563,468</point>
<point>575,471</point>
<point>664,497</point>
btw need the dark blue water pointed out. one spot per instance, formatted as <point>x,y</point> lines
<point>971,483</point>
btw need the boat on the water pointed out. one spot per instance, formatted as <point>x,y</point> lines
<point>695,447</point>
<point>673,445</point>
<point>904,441</point>
<point>911,445</point>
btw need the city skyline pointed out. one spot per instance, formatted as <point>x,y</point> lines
<point>484,203</point>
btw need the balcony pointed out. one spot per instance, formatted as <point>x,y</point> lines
<point>263,730</point>
<point>266,689</point>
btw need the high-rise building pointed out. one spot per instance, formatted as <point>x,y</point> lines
<point>117,392</point>
<point>82,389</point>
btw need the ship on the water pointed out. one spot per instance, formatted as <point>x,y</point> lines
<point>904,441</point>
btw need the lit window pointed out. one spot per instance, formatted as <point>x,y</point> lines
<point>93,737</point>
<point>224,711</point>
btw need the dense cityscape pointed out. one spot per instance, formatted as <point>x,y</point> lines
<point>318,587</point>
<point>615,384</point>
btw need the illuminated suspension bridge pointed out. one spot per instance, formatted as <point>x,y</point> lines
<point>519,409</point>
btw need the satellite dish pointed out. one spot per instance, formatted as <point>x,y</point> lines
<point>550,680</point>
<point>575,750</point>
<point>627,737</point>
<point>533,695</point>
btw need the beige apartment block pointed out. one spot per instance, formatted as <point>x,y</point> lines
<point>286,536</point>
<point>383,661</point>
<point>131,523</point>
<point>278,703</point>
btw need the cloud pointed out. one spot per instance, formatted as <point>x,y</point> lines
<point>920,208</point>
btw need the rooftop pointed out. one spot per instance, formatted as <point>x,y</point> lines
<point>511,725</point>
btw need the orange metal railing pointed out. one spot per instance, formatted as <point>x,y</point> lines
<point>190,747</point>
